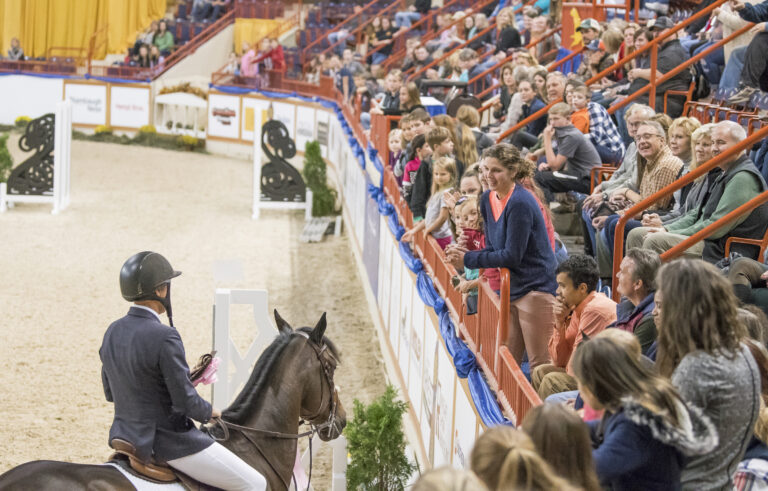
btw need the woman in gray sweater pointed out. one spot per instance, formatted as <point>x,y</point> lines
<point>701,348</point>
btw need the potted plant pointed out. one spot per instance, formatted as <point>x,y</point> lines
<point>6,161</point>
<point>315,176</point>
<point>376,445</point>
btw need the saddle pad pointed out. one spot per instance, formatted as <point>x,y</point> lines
<point>143,485</point>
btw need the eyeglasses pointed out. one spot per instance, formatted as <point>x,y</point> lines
<point>646,136</point>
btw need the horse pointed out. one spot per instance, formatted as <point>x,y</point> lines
<point>292,382</point>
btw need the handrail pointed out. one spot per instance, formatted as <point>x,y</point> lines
<point>428,19</point>
<point>358,29</point>
<point>432,35</point>
<point>648,47</point>
<point>463,45</point>
<point>338,26</point>
<point>618,245</point>
<point>508,59</point>
<point>653,83</point>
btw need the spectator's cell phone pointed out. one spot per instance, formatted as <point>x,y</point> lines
<point>455,280</point>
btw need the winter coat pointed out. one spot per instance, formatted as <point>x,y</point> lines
<point>637,449</point>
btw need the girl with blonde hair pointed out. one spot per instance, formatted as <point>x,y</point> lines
<point>505,459</point>
<point>437,217</point>
<point>469,117</point>
<point>647,431</point>
<point>509,37</point>
<point>449,479</point>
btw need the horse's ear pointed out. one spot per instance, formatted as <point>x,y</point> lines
<point>319,331</point>
<point>282,326</point>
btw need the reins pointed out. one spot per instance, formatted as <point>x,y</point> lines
<point>248,432</point>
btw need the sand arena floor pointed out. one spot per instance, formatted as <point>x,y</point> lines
<point>60,290</point>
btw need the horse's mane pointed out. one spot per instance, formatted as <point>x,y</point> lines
<point>238,410</point>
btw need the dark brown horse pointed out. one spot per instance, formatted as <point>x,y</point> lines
<point>292,381</point>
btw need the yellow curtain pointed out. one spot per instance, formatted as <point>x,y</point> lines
<point>252,30</point>
<point>69,24</point>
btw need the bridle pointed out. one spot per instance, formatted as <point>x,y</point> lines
<point>330,423</point>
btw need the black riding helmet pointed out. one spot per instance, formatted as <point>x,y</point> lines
<point>142,274</point>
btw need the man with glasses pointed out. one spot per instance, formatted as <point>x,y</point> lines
<point>624,176</point>
<point>739,183</point>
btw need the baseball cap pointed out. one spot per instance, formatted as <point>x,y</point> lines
<point>595,45</point>
<point>661,23</point>
<point>589,24</point>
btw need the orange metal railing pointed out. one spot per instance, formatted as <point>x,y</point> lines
<point>363,12</point>
<point>398,55</point>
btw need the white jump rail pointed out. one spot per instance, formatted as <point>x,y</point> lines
<point>62,152</point>
<point>230,381</point>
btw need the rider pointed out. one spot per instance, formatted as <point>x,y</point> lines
<point>145,374</point>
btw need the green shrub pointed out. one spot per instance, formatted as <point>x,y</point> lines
<point>315,176</point>
<point>376,445</point>
<point>22,121</point>
<point>6,161</point>
<point>103,129</point>
<point>148,129</point>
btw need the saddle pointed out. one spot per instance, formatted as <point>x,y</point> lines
<point>153,471</point>
<point>125,457</point>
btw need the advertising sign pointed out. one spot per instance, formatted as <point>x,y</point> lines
<point>251,108</point>
<point>305,126</point>
<point>128,106</point>
<point>286,113</point>
<point>89,103</point>
<point>444,394</point>
<point>464,430</point>
<point>371,243</point>
<point>224,116</point>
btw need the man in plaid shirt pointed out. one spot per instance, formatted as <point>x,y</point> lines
<point>604,135</point>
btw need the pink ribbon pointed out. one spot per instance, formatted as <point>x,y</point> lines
<point>209,374</point>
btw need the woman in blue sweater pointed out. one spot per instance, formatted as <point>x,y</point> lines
<point>647,431</point>
<point>516,239</point>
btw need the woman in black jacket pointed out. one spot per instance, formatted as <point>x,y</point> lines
<point>508,36</point>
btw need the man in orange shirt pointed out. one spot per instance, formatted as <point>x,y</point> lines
<point>580,313</point>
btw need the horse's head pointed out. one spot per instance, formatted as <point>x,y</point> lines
<point>320,403</point>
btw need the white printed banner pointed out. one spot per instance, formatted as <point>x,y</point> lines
<point>286,114</point>
<point>305,126</point>
<point>464,430</point>
<point>444,395</point>
<point>224,116</point>
<point>255,111</point>
<point>128,106</point>
<point>89,103</point>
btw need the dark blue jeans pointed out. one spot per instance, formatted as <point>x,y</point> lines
<point>609,231</point>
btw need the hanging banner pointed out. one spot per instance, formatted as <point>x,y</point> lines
<point>429,370</point>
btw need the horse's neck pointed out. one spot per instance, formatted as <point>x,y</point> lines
<point>278,409</point>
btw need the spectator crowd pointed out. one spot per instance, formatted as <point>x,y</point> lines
<point>666,388</point>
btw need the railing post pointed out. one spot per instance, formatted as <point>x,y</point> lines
<point>652,82</point>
